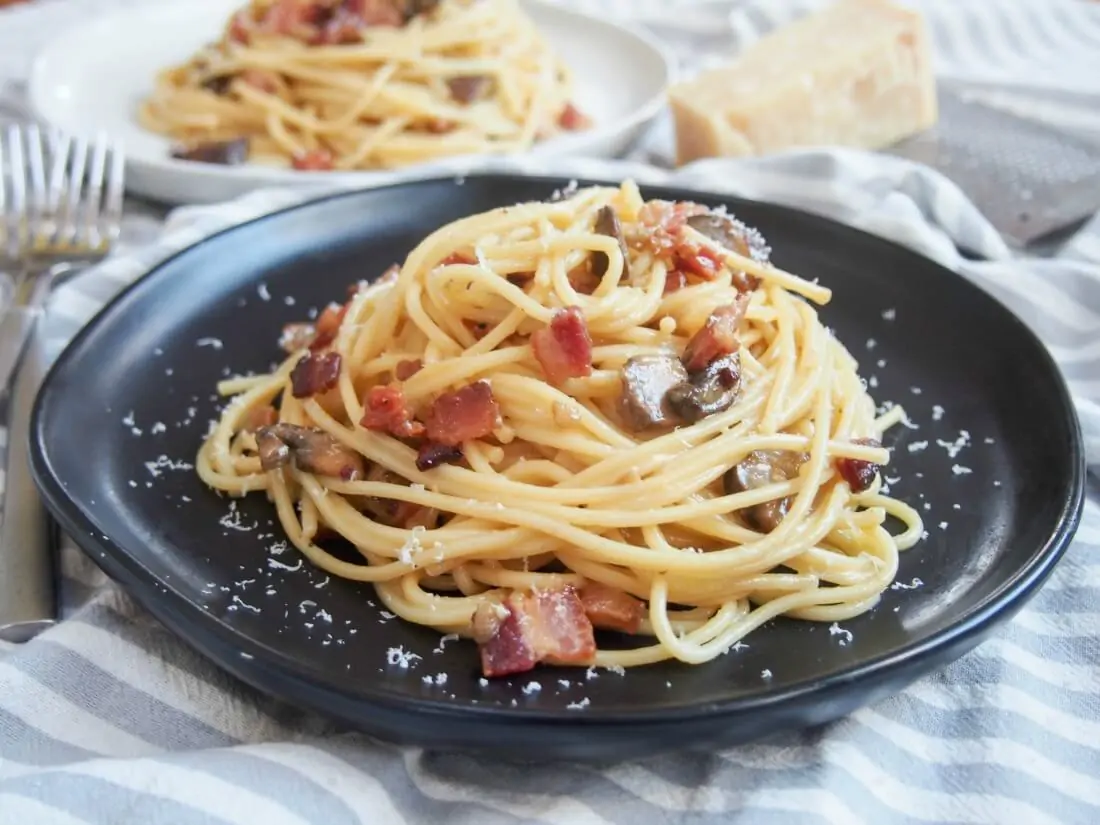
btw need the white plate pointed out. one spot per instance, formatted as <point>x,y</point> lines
<point>92,78</point>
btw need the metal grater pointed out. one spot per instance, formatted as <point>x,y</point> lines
<point>1030,180</point>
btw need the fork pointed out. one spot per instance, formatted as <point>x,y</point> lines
<point>60,211</point>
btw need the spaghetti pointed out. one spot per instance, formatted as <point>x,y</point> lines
<point>365,84</point>
<point>594,412</point>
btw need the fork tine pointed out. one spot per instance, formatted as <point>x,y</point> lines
<point>59,157</point>
<point>111,225</point>
<point>36,169</point>
<point>89,233</point>
<point>67,229</point>
<point>17,217</point>
<point>9,240</point>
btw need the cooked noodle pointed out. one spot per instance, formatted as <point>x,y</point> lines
<point>460,77</point>
<point>564,492</point>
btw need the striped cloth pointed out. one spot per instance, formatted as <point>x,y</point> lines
<point>109,719</point>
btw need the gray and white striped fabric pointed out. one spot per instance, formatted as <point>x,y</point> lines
<point>109,719</point>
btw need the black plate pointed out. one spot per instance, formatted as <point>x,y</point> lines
<point>132,395</point>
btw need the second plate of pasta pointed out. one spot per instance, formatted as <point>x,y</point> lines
<point>217,97</point>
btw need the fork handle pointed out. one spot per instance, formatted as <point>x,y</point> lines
<point>27,584</point>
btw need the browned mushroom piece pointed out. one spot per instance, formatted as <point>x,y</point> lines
<point>737,237</point>
<point>710,390</point>
<point>647,380</point>
<point>468,88</point>
<point>759,469</point>
<point>312,450</point>
<point>607,223</point>
<point>221,152</point>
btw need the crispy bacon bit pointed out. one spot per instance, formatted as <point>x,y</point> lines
<point>240,27</point>
<point>404,370</point>
<point>662,223</point>
<point>314,160</point>
<point>296,337</point>
<point>573,119</point>
<point>528,628</point>
<point>262,79</point>
<point>438,126</point>
<point>328,325</point>
<point>859,474</point>
<point>609,608</point>
<point>463,415</point>
<point>564,349</point>
<point>385,409</point>
<point>718,336</point>
<point>315,374</point>
<point>700,261</point>
<point>263,416</point>
<point>468,88</point>
<point>737,237</point>
<point>457,258</point>
<point>675,279</point>
<point>431,455</point>
<point>313,451</point>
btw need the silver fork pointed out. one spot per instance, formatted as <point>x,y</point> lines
<point>60,210</point>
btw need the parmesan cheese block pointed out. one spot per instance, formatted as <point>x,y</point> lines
<point>858,73</point>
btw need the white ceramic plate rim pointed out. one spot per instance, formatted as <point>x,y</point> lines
<point>127,20</point>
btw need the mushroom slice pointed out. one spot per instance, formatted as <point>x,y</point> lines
<point>759,469</point>
<point>312,450</point>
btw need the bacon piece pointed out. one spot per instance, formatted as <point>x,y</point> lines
<point>404,370</point>
<point>609,608</point>
<point>532,627</point>
<point>701,261</point>
<point>718,336</point>
<point>240,27</point>
<point>674,279</point>
<point>457,258</point>
<point>438,126</point>
<point>564,349</point>
<point>262,79</point>
<point>573,119</point>
<point>315,374</point>
<point>662,223</point>
<point>328,325</point>
<point>314,160</point>
<point>291,18</point>
<point>463,415</point>
<point>385,409</point>
<point>859,474</point>
<point>431,455</point>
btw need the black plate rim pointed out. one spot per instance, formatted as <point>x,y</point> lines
<point>999,605</point>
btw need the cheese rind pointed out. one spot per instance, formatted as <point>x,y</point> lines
<point>858,73</point>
